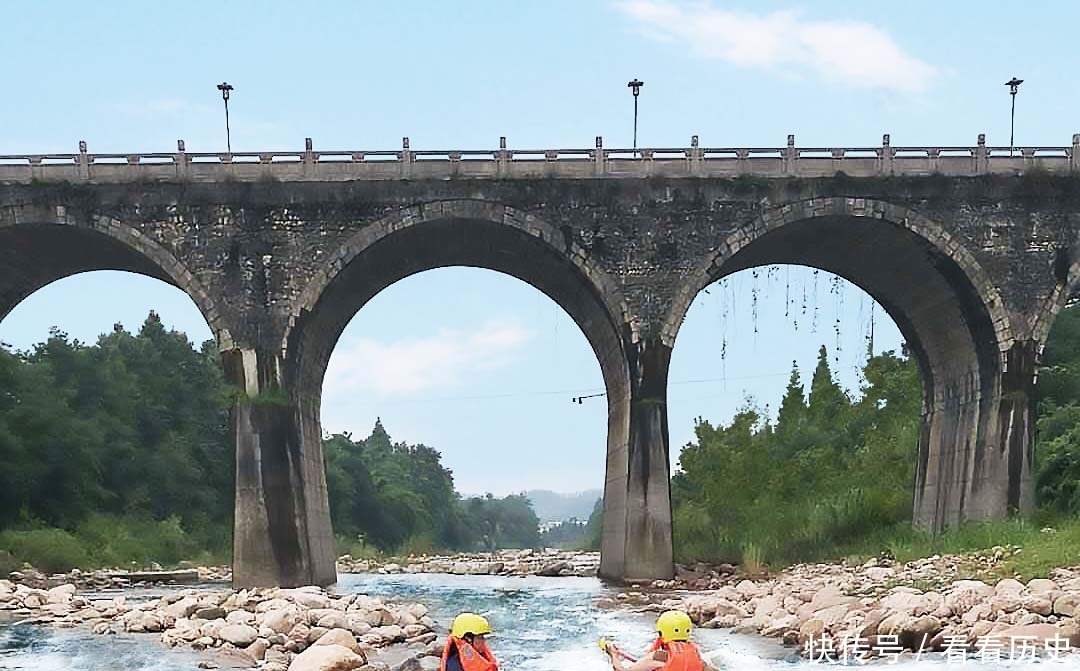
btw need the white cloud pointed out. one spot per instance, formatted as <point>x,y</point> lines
<point>854,53</point>
<point>410,366</point>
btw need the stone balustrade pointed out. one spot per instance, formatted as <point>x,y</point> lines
<point>504,163</point>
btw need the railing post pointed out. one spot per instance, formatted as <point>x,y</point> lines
<point>933,156</point>
<point>886,155</point>
<point>502,159</point>
<point>982,156</point>
<point>696,156</point>
<point>406,158</point>
<point>598,157</point>
<point>1029,157</point>
<point>742,162</point>
<point>308,158</point>
<point>1074,154</point>
<point>84,162</point>
<point>180,160</point>
<point>790,155</point>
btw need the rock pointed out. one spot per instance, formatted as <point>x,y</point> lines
<point>905,602</point>
<point>554,568</point>
<point>965,594</point>
<point>747,589</point>
<point>282,621</point>
<point>240,617</point>
<point>831,615</point>
<point>240,635</point>
<point>60,594</point>
<point>1067,604</point>
<point>1041,586</point>
<point>1009,586</point>
<point>829,597</point>
<point>342,637</point>
<point>257,650</point>
<point>1037,603</point>
<point>333,621</point>
<point>308,599</point>
<point>327,658</point>
<point>812,628</point>
<point>142,621</point>
<point>778,626</point>
<point>212,613</point>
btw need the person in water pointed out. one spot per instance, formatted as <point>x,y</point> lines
<point>466,647</point>
<point>672,650</point>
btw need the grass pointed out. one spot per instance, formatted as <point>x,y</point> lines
<point>1041,545</point>
<point>106,541</point>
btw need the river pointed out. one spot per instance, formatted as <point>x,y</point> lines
<point>542,624</point>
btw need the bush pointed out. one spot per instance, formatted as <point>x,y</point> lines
<point>48,550</point>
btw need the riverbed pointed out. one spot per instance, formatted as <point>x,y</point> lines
<point>542,624</point>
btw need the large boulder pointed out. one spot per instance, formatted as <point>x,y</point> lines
<point>240,635</point>
<point>342,637</point>
<point>282,621</point>
<point>327,658</point>
<point>1067,604</point>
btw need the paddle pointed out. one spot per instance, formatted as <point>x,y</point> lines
<point>620,653</point>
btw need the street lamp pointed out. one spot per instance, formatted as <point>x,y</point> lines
<point>225,88</point>
<point>1013,85</point>
<point>635,84</point>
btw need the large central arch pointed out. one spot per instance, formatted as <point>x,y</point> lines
<point>482,235</point>
<point>972,464</point>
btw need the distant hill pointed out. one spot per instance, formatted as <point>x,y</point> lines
<point>555,507</point>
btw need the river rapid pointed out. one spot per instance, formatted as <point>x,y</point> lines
<point>542,624</point>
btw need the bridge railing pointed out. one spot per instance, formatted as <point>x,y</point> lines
<point>504,163</point>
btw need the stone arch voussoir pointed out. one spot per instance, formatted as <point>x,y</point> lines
<point>860,208</point>
<point>419,214</point>
<point>171,268</point>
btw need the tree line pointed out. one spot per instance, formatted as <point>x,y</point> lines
<point>833,474</point>
<point>119,451</point>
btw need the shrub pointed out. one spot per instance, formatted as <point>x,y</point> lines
<point>49,550</point>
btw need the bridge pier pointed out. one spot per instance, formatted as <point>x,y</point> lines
<point>637,541</point>
<point>976,448</point>
<point>281,529</point>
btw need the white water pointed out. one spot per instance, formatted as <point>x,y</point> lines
<point>542,624</point>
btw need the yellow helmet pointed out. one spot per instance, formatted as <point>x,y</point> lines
<point>674,625</point>
<point>469,623</point>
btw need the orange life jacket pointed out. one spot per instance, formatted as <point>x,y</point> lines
<point>473,657</point>
<point>682,656</point>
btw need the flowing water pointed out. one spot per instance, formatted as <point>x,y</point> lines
<point>542,624</point>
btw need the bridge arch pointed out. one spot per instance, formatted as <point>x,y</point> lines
<point>947,309</point>
<point>479,234</point>
<point>40,245</point>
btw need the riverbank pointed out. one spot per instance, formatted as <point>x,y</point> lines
<point>949,603</point>
<point>544,563</point>
<point>301,629</point>
<point>941,605</point>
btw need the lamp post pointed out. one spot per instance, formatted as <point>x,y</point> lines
<point>1013,85</point>
<point>225,88</point>
<point>636,85</point>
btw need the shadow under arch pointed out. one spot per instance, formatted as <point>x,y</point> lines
<point>972,462</point>
<point>475,234</point>
<point>41,245</point>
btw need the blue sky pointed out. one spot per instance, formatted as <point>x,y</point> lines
<point>489,382</point>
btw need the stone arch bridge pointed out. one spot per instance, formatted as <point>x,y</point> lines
<point>971,250</point>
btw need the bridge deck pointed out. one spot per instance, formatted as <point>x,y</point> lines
<point>694,161</point>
